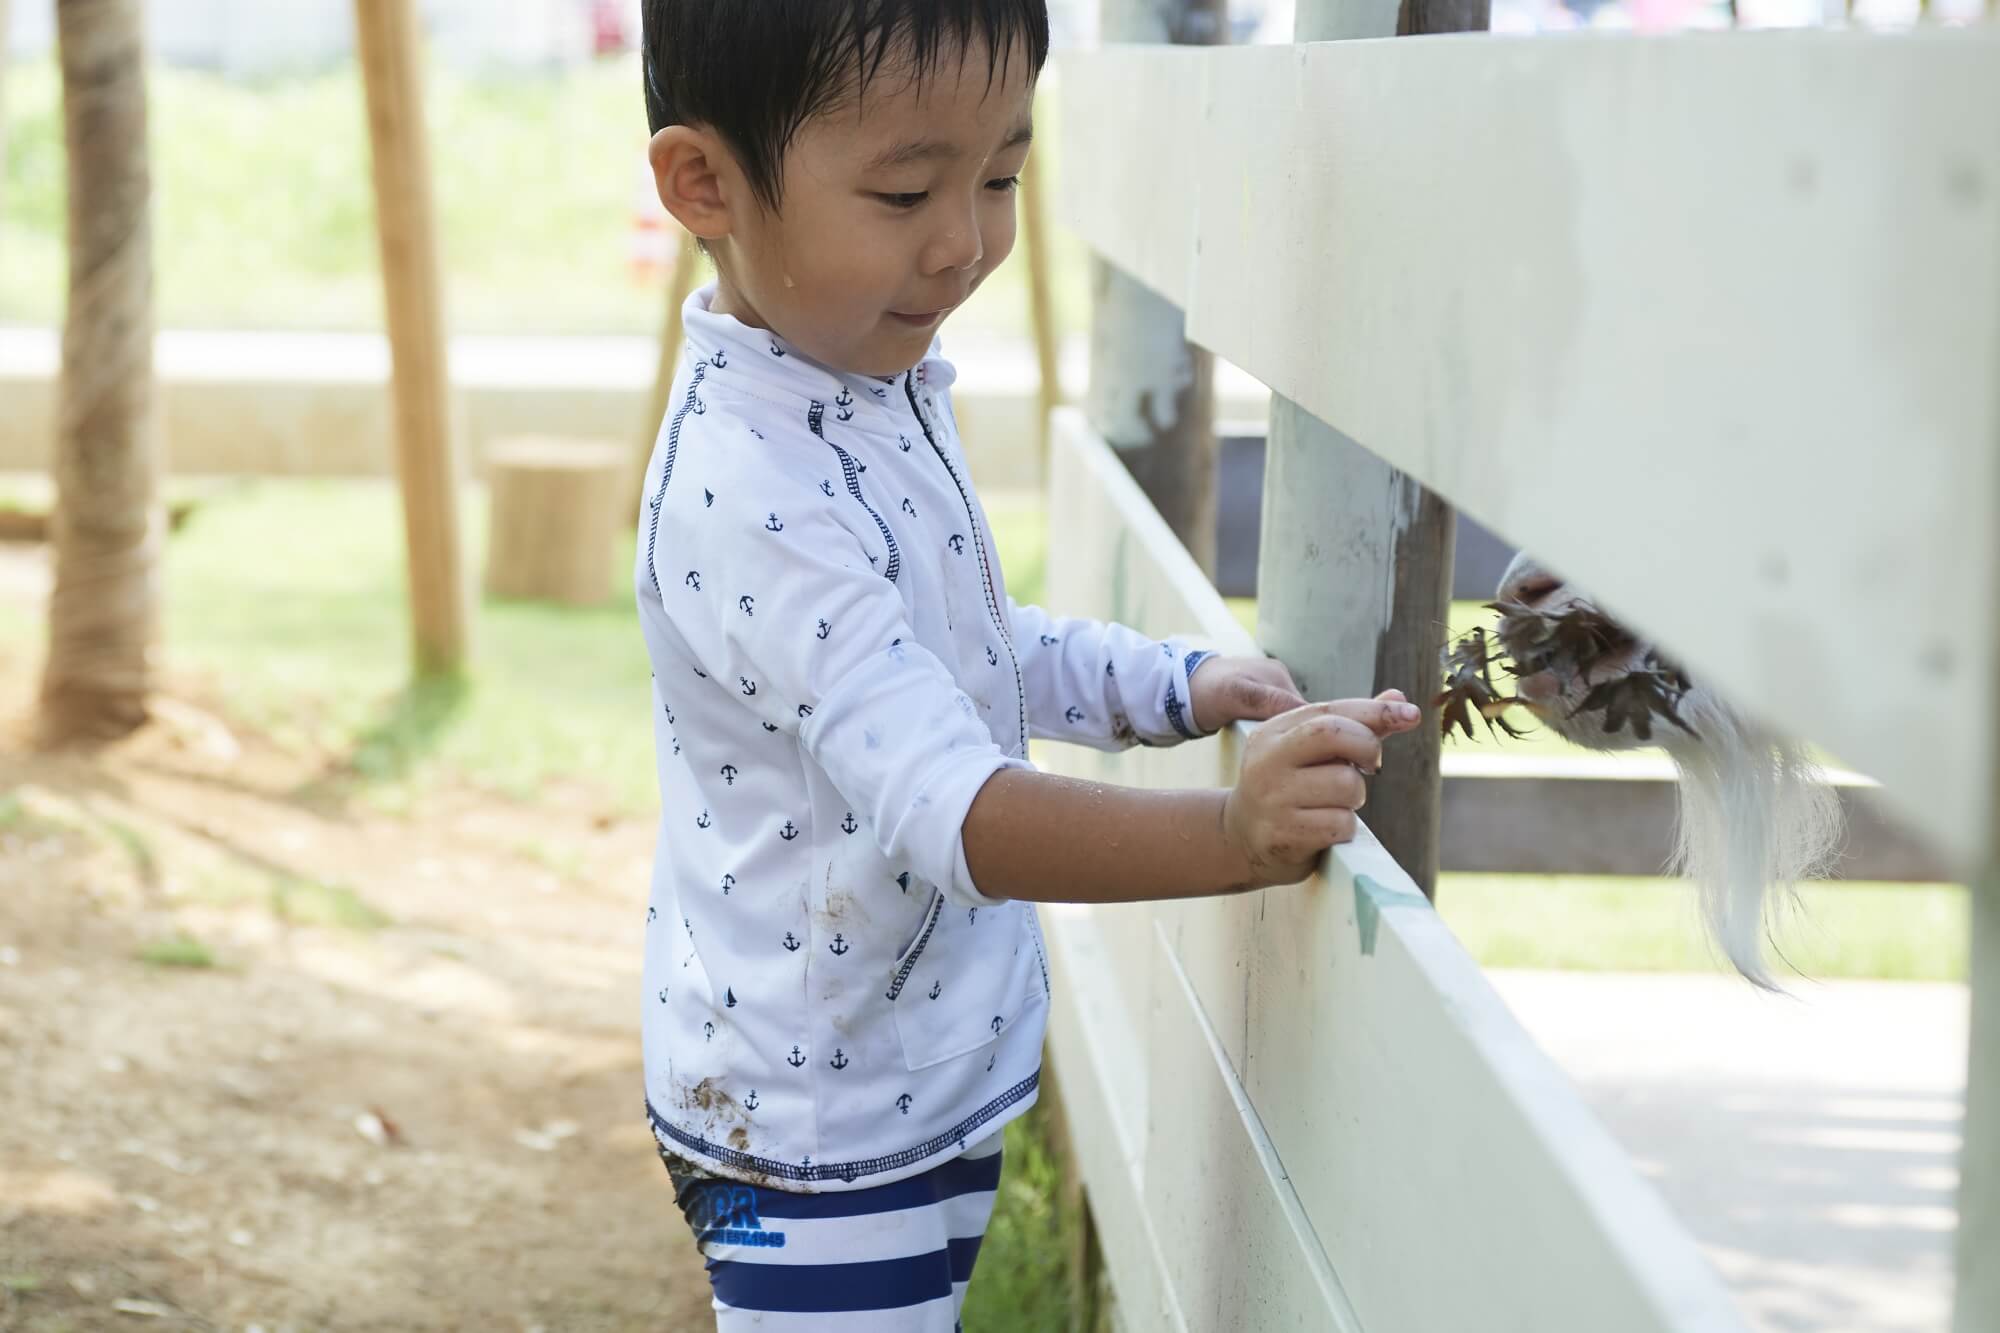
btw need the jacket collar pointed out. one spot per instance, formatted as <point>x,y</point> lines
<point>766,366</point>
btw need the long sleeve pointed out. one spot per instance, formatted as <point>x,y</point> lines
<point>778,599</point>
<point>1102,684</point>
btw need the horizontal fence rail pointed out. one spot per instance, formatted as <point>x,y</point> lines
<point>1305,1108</point>
<point>1710,323</point>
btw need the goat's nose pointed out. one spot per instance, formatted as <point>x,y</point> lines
<point>1527,582</point>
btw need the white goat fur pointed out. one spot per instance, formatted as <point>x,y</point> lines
<point>1754,810</point>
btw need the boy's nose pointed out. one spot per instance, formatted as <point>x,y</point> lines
<point>958,247</point>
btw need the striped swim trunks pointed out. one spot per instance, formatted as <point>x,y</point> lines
<point>894,1258</point>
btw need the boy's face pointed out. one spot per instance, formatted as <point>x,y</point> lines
<point>895,208</point>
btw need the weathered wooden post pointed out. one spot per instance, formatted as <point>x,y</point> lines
<point>1152,393</point>
<point>1354,570</point>
<point>425,457</point>
<point>1977,1302</point>
<point>1041,305</point>
<point>1978,1298</point>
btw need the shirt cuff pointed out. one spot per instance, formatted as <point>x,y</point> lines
<point>1180,689</point>
<point>961,889</point>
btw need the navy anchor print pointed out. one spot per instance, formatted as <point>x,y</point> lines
<point>770,616</point>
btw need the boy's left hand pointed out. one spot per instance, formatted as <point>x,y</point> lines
<point>1241,689</point>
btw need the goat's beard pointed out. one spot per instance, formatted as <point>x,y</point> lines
<point>1754,813</point>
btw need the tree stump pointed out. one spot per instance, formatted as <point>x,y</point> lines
<point>557,510</point>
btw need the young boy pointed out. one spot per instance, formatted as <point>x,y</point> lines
<point>845,981</point>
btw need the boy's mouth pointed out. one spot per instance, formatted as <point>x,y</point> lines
<point>922,321</point>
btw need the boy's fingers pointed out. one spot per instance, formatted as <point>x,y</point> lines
<point>1327,737</point>
<point>1260,700</point>
<point>1382,716</point>
<point>1328,787</point>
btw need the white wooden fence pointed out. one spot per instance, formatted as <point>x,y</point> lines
<point>1711,324</point>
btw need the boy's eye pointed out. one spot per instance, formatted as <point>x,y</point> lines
<point>1010,183</point>
<point>903,200</point>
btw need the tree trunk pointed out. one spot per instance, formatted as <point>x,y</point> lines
<point>108,525</point>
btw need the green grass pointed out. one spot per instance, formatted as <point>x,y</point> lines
<point>177,951</point>
<point>305,902</point>
<point>1898,932</point>
<point>264,213</point>
<point>1021,1284</point>
<point>308,641</point>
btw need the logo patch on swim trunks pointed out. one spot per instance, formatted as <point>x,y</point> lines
<point>723,1213</point>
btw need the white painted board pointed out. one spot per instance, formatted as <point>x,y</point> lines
<point>1711,323</point>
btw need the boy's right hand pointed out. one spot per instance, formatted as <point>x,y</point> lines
<point>1301,782</point>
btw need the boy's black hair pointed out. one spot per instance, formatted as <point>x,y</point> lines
<point>754,71</point>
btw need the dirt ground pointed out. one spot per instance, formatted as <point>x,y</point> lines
<point>404,1090</point>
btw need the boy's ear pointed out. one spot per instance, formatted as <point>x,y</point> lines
<point>688,165</point>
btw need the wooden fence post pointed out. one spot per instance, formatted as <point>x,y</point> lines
<point>1976,1302</point>
<point>425,458</point>
<point>1041,304</point>
<point>1152,393</point>
<point>1354,579</point>
<point>1978,1299</point>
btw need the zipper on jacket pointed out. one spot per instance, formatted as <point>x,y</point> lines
<point>985,569</point>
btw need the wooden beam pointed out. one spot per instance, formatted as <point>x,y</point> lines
<point>1152,393</point>
<point>1558,819</point>
<point>1740,298</point>
<point>391,65</point>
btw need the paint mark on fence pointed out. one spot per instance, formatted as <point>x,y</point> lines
<point>1370,897</point>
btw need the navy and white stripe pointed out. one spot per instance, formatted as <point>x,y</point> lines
<point>893,1258</point>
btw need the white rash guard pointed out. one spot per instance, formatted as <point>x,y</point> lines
<point>830,1001</point>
